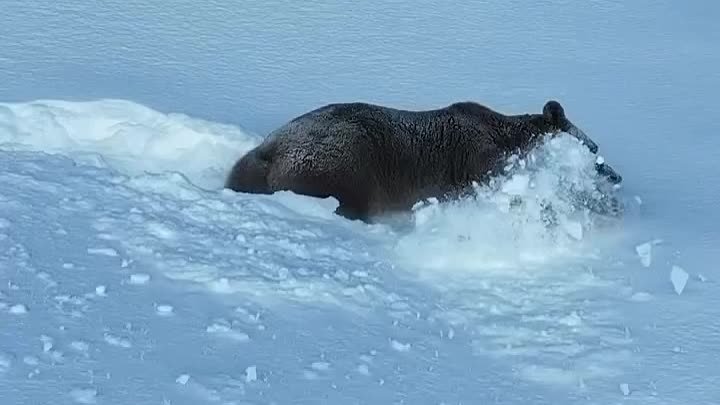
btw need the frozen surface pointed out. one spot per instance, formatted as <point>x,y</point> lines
<point>127,276</point>
<point>124,280</point>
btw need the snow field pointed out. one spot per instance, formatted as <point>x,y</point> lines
<point>128,275</point>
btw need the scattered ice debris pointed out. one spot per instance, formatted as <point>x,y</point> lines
<point>182,379</point>
<point>625,389</point>
<point>18,309</point>
<point>638,200</point>
<point>139,278</point>
<point>251,374</point>
<point>679,278</point>
<point>164,309</point>
<point>31,360</point>
<point>84,395</point>
<point>68,266</point>
<point>101,291</point>
<point>702,278</point>
<point>401,347</point>
<point>644,251</point>
<point>103,252</point>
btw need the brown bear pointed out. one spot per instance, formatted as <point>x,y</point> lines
<point>377,160</point>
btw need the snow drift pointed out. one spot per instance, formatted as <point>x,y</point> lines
<point>128,137</point>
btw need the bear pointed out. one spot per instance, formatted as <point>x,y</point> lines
<point>377,160</point>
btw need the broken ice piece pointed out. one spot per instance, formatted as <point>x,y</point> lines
<point>251,374</point>
<point>679,278</point>
<point>101,290</point>
<point>574,229</point>
<point>183,379</point>
<point>644,251</point>
<point>625,389</point>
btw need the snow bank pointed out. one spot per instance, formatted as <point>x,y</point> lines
<point>129,137</point>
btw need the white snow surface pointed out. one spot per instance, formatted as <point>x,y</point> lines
<point>128,276</point>
<point>124,268</point>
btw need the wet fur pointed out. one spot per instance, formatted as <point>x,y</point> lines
<point>377,160</point>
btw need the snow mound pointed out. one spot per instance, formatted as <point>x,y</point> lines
<point>125,136</point>
<point>543,208</point>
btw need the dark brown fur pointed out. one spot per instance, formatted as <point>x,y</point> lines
<point>377,160</point>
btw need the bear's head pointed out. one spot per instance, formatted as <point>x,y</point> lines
<point>554,116</point>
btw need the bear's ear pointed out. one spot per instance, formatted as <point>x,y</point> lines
<point>554,114</point>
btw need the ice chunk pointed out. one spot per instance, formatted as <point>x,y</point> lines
<point>101,290</point>
<point>644,251</point>
<point>401,347</point>
<point>251,374</point>
<point>641,296</point>
<point>18,309</point>
<point>139,278</point>
<point>625,389</point>
<point>164,309</point>
<point>103,252</point>
<point>182,379</point>
<point>574,229</point>
<point>679,278</point>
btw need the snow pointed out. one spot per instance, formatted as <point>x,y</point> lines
<point>128,276</point>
